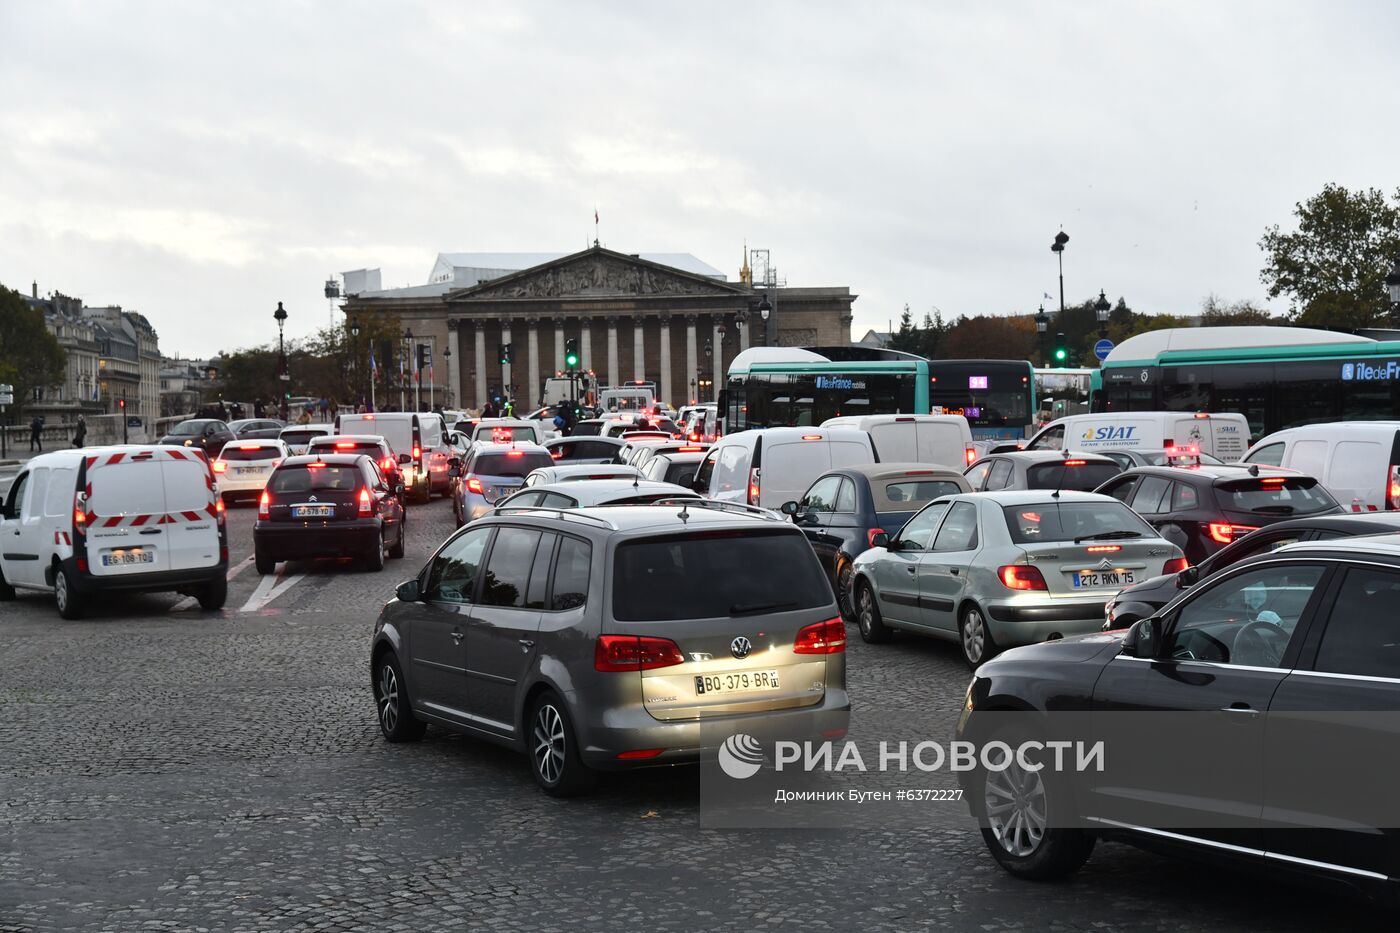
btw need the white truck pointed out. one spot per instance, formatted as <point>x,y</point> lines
<point>630,396</point>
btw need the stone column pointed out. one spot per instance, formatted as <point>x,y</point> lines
<point>692,366</point>
<point>531,391</point>
<point>664,388</point>
<point>612,350</point>
<point>558,344</point>
<point>480,356</point>
<point>639,356</point>
<point>718,344</point>
<point>506,367</point>
<point>741,320</point>
<point>454,363</point>
<point>585,344</point>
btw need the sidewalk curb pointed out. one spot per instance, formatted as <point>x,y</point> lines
<point>5,463</point>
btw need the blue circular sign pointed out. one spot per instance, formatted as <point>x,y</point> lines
<point>1102,349</point>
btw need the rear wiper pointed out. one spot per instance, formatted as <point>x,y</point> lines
<point>1107,535</point>
<point>740,609</point>
<point>1278,509</point>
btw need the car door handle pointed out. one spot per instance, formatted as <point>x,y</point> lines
<point>1240,708</point>
<point>150,531</point>
<point>912,570</point>
<point>525,644</point>
<point>953,571</point>
<point>456,636</point>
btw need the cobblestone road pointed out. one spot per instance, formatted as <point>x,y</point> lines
<point>167,769</point>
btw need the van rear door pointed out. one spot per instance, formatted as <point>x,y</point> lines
<point>192,526</point>
<point>126,514</point>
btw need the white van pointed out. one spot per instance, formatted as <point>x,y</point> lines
<point>767,467</point>
<point>942,439</point>
<point>511,430</point>
<point>630,396</point>
<point>419,436</point>
<point>140,518</point>
<point>1358,462</point>
<point>1223,435</point>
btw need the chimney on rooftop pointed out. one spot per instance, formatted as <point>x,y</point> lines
<point>34,289</point>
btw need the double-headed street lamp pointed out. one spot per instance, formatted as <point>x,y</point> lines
<point>281,317</point>
<point>765,308</point>
<point>1058,248</point>
<point>1042,326</point>
<point>1101,309</point>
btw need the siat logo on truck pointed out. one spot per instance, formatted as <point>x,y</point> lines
<point>1122,432</point>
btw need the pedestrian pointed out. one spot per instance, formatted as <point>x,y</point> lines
<point>223,411</point>
<point>325,407</point>
<point>259,409</point>
<point>304,417</point>
<point>35,441</point>
<point>335,408</point>
<point>489,409</point>
<point>80,437</point>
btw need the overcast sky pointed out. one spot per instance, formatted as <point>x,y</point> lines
<point>200,161</point>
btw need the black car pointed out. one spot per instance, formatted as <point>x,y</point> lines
<point>584,449</point>
<point>328,505</point>
<point>843,510</point>
<point>254,429</point>
<point>373,446</point>
<point>1144,599</point>
<point>1202,509</point>
<point>208,434</point>
<point>1262,759</point>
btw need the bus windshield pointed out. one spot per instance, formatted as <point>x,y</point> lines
<point>997,397</point>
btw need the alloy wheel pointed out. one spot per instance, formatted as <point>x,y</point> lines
<point>549,743</point>
<point>974,636</point>
<point>388,698</point>
<point>866,612</point>
<point>60,591</point>
<point>1015,804</point>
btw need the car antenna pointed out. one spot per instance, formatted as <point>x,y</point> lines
<point>1254,469</point>
<point>1064,467</point>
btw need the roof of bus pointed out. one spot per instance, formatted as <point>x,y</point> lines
<point>1191,344</point>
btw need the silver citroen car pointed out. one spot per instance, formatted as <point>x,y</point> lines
<point>605,638</point>
<point>995,570</point>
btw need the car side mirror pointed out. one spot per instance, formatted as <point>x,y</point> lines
<point>454,466</point>
<point>398,490</point>
<point>880,539</point>
<point>1188,577</point>
<point>1144,638</point>
<point>409,592</point>
<point>789,507</point>
<point>405,458</point>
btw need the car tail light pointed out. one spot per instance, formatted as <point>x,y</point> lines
<point>1273,481</point>
<point>811,437</point>
<point>695,437</point>
<point>615,653</point>
<point>640,753</point>
<point>220,466</point>
<point>1021,577</point>
<point>1224,532</point>
<point>388,463</point>
<point>556,454</point>
<point>276,462</point>
<point>870,534</point>
<point>366,503</point>
<point>753,486</point>
<point>1070,463</point>
<point>249,446</point>
<point>827,637</point>
<point>344,445</point>
<point>1392,499</point>
<point>1169,443</point>
<point>1175,565</point>
<point>474,485</point>
<point>515,453</point>
<point>690,450</point>
<point>970,454</point>
<point>1103,548</point>
<point>79,514</point>
<point>264,502</point>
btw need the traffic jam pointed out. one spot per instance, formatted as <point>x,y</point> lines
<point>622,577</point>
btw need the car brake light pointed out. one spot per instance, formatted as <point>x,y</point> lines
<point>474,485</point>
<point>1070,463</point>
<point>1224,532</point>
<point>249,446</point>
<point>264,501</point>
<point>1175,565</point>
<point>1273,481</point>
<point>1103,548</point>
<point>690,450</point>
<point>640,753</point>
<point>1021,577</point>
<point>220,466</point>
<point>1169,443</point>
<point>317,465</point>
<point>344,445</point>
<point>753,486</point>
<point>870,534</point>
<point>827,637</point>
<point>970,454</point>
<point>79,514</point>
<point>388,463</point>
<point>556,454</point>
<point>616,653</point>
<point>811,437</point>
<point>694,437</point>
<point>366,503</point>
<point>1393,488</point>
<point>1200,416</point>
<point>515,453</point>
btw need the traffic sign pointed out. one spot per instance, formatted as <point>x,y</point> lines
<point>1102,349</point>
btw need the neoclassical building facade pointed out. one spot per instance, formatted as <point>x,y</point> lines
<point>633,319</point>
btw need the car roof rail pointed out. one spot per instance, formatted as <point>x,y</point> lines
<point>738,508</point>
<point>563,514</point>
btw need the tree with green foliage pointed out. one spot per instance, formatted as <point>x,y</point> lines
<point>1333,267</point>
<point>1215,312</point>
<point>907,337</point>
<point>30,356</point>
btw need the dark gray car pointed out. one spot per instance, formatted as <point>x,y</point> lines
<point>581,638</point>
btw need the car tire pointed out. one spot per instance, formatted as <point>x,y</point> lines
<point>394,712</point>
<point>213,595</point>
<point>263,564</point>
<point>1018,810</point>
<point>558,768</point>
<point>374,557</point>
<point>7,592</point>
<point>396,550</point>
<point>845,575</point>
<point>70,602</point>
<point>873,629</point>
<point>975,636</point>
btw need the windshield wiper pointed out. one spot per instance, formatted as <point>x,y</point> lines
<point>740,609</point>
<point>1107,535</point>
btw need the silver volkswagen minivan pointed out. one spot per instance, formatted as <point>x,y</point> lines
<point>604,638</point>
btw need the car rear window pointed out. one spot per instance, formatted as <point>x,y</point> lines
<point>1074,475</point>
<point>1065,521</point>
<point>908,495</point>
<point>510,464</point>
<point>191,427</point>
<point>682,474</point>
<point>587,429</point>
<point>308,478</point>
<point>367,448</point>
<point>235,452</point>
<point>504,434</point>
<point>299,437</point>
<point>654,578</point>
<point>1275,495</point>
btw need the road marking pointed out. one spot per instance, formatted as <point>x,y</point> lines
<point>269,588</point>
<point>189,601</point>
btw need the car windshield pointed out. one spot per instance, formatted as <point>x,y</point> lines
<point>519,463</point>
<point>654,578</point>
<point>309,478</point>
<point>1067,521</point>
<point>1277,495</point>
<point>1074,475</point>
<point>191,427</point>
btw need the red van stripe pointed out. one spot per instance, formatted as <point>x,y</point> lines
<point>91,461</point>
<point>112,522</point>
<point>166,520</point>
<point>115,458</point>
<point>191,516</point>
<point>212,509</point>
<point>175,454</point>
<point>139,520</point>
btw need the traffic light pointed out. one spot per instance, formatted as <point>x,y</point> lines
<point>571,354</point>
<point>505,353</point>
<point>1061,352</point>
<point>121,403</point>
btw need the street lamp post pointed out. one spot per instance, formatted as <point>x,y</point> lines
<point>281,317</point>
<point>408,345</point>
<point>447,361</point>
<point>1042,324</point>
<point>1101,309</point>
<point>765,310</point>
<point>1058,248</point>
<point>355,357</point>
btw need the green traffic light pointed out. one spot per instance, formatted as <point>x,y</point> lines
<point>1060,354</point>
<point>571,360</point>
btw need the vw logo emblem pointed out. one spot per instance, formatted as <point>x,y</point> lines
<point>740,647</point>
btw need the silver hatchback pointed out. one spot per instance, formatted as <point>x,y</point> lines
<point>583,638</point>
<point>999,569</point>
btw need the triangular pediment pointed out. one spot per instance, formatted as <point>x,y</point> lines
<point>597,273</point>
